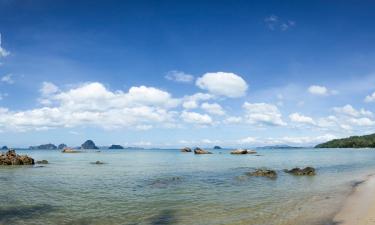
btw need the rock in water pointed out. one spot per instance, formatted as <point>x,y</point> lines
<point>217,147</point>
<point>242,152</point>
<point>263,173</point>
<point>42,162</point>
<point>62,146</point>
<point>307,171</point>
<point>4,148</point>
<point>89,144</point>
<point>201,151</point>
<point>186,149</point>
<point>11,158</point>
<point>70,150</point>
<point>116,147</point>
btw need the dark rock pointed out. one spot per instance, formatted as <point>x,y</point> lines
<point>44,147</point>
<point>307,171</point>
<point>98,163</point>
<point>70,150</point>
<point>186,149</point>
<point>42,162</point>
<point>4,148</point>
<point>11,158</point>
<point>242,152</point>
<point>217,147</point>
<point>62,146</point>
<point>116,147</point>
<point>89,144</point>
<point>263,173</point>
<point>201,151</point>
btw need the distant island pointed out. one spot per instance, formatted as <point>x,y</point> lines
<point>365,141</point>
<point>116,147</point>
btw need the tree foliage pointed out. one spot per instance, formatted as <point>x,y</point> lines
<point>366,141</point>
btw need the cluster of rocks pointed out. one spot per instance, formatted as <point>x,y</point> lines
<point>307,171</point>
<point>242,152</point>
<point>198,151</point>
<point>263,173</point>
<point>11,158</point>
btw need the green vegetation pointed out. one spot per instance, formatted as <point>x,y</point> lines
<point>366,141</point>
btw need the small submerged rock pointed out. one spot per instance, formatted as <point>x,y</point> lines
<point>242,152</point>
<point>42,162</point>
<point>263,173</point>
<point>199,151</point>
<point>164,182</point>
<point>11,158</point>
<point>186,149</point>
<point>307,171</point>
<point>98,163</point>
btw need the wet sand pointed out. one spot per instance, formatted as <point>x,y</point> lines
<point>359,208</point>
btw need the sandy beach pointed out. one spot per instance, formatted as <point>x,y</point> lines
<point>359,208</point>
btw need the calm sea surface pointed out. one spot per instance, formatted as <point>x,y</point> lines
<point>170,187</point>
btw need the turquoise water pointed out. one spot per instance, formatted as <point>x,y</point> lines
<point>170,187</point>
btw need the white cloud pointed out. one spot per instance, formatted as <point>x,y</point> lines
<point>48,88</point>
<point>213,108</point>
<point>7,79</point>
<point>233,120</point>
<point>3,52</point>
<point>196,118</point>
<point>223,84</point>
<point>179,76</point>
<point>361,122</point>
<point>192,101</point>
<point>248,140</point>
<point>92,104</point>
<point>321,90</point>
<point>370,98</point>
<point>348,110</point>
<point>318,90</point>
<point>291,140</point>
<point>263,113</point>
<point>298,118</point>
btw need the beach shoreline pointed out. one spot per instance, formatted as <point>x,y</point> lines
<point>359,207</point>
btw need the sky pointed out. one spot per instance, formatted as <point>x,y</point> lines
<point>186,73</point>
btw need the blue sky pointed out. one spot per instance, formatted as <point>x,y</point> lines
<point>176,73</point>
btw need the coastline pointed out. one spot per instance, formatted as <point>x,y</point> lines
<point>359,207</point>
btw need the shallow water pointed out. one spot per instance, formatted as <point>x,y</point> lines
<point>170,187</point>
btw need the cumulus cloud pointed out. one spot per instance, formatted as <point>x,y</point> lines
<point>263,114</point>
<point>7,79</point>
<point>298,118</point>
<point>179,76</point>
<point>291,140</point>
<point>92,104</point>
<point>348,110</point>
<point>223,84</point>
<point>3,52</point>
<point>48,88</point>
<point>370,98</point>
<point>213,108</point>
<point>318,90</point>
<point>196,118</point>
<point>192,101</point>
<point>321,90</point>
